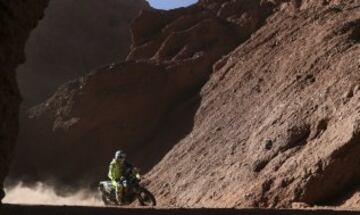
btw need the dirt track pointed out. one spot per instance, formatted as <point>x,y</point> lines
<point>58,210</point>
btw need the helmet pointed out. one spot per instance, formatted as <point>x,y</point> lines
<point>120,155</point>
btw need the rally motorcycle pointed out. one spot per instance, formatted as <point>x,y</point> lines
<point>132,191</point>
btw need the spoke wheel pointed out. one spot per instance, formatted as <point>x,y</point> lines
<point>146,198</point>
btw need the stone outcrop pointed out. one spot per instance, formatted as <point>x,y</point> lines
<point>17,19</point>
<point>125,105</point>
<point>278,121</point>
<point>75,37</point>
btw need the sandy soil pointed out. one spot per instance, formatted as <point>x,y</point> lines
<point>43,194</point>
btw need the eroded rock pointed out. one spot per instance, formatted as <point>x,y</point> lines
<point>73,38</point>
<point>17,19</point>
<point>298,105</point>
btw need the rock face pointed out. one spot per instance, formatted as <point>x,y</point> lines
<point>125,105</point>
<point>74,37</point>
<point>278,121</point>
<point>17,19</point>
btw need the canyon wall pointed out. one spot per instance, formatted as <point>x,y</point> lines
<point>17,19</point>
<point>125,105</point>
<point>278,122</point>
<point>241,103</point>
<point>74,37</point>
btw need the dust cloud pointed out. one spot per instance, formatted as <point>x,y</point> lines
<point>42,194</point>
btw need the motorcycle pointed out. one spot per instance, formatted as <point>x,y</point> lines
<point>132,191</point>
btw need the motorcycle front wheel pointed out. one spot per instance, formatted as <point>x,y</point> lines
<point>146,198</point>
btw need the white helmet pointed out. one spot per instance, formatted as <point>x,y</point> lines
<point>120,155</point>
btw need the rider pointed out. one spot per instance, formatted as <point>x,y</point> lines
<point>119,171</point>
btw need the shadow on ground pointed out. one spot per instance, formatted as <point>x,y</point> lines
<point>64,210</point>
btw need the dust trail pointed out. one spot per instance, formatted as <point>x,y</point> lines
<point>45,195</point>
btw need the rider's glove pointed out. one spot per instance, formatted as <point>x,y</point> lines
<point>138,176</point>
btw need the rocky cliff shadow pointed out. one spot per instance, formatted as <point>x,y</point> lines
<point>132,106</point>
<point>93,33</point>
<point>17,19</point>
<point>176,126</point>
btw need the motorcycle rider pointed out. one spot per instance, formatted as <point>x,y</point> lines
<point>120,171</point>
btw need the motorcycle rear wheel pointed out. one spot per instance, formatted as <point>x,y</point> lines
<point>146,198</point>
<point>105,199</point>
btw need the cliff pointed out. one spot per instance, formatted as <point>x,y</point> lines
<point>17,19</point>
<point>278,121</point>
<point>74,37</point>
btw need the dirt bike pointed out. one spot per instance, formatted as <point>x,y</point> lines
<point>132,191</point>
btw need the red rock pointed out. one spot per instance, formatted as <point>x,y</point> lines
<point>286,83</point>
<point>73,38</point>
<point>281,79</point>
